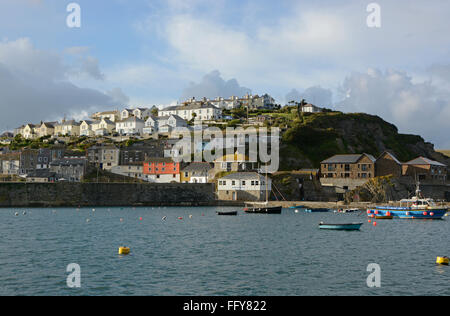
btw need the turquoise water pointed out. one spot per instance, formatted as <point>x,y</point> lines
<point>216,255</point>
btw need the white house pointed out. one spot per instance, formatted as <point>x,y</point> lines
<point>203,111</point>
<point>244,186</point>
<point>109,115</point>
<point>126,113</point>
<point>163,124</point>
<point>103,127</point>
<point>310,108</point>
<point>142,113</point>
<point>130,126</point>
<point>86,128</point>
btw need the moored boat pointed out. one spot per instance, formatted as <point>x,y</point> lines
<point>342,226</point>
<point>384,217</point>
<point>230,213</point>
<point>297,207</point>
<point>417,207</point>
<point>316,210</point>
<point>263,209</point>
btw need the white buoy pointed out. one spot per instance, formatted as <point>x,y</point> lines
<point>164,218</point>
<point>16,213</point>
<point>24,213</point>
<point>88,220</point>
<point>190,216</point>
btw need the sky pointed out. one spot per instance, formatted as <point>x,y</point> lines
<point>159,52</point>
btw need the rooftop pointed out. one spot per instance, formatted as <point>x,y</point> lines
<point>424,161</point>
<point>348,159</point>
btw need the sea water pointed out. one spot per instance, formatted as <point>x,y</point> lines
<point>207,254</point>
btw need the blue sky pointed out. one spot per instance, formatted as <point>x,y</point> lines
<point>145,52</point>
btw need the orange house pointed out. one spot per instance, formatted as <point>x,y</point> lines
<point>161,170</point>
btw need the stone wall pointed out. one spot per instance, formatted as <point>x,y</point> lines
<point>105,194</point>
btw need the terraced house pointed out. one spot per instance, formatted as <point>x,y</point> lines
<point>197,110</point>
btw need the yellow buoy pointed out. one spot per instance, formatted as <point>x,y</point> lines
<point>442,260</point>
<point>124,250</point>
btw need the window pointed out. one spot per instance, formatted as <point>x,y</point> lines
<point>233,182</point>
<point>243,182</point>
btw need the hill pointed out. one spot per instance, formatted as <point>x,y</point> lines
<point>312,137</point>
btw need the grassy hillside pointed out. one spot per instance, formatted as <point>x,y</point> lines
<point>445,152</point>
<point>312,137</point>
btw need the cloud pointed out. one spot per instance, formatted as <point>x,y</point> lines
<point>118,96</point>
<point>316,95</point>
<point>34,86</point>
<point>415,107</point>
<point>440,72</point>
<point>213,85</point>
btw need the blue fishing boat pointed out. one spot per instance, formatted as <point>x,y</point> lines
<point>297,207</point>
<point>347,226</point>
<point>417,207</point>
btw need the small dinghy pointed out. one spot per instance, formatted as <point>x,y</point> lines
<point>316,210</point>
<point>231,213</point>
<point>348,226</point>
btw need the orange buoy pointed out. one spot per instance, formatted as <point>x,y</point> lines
<point>180,217</point>
<point>374,223</point>
<point>425,213</point>
<point>140,218</point>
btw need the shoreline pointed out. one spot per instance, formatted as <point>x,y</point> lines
<point>218,203</point>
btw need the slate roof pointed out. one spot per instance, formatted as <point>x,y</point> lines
<point>198,168</point>
<point>424,161</point>
<point>347,159</point>
<point>243,176</point>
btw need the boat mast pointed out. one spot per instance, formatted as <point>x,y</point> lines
<point>267,188</point>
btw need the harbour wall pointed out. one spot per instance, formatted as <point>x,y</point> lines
<point>107,194</point>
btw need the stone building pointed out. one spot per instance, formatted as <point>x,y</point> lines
<point>69,169</point>
<point>104,157</point>
<point>10,164</point>
<point>387,164</point>
<point>139,152</point>
<point>34,159</point>
<point>423,168</point>
<point>132,169</point>
<point>353,166</point>
<point>41,176</point>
